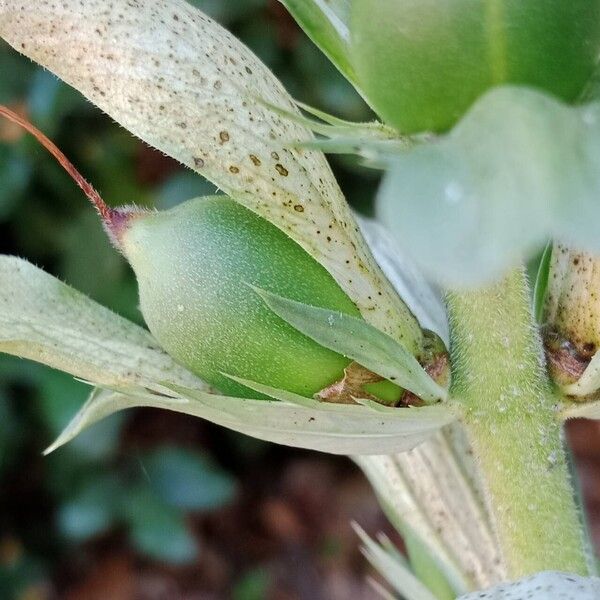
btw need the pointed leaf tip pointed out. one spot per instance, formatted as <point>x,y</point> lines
<point>356,339</point>
<point>45,320</point>
<point>332,428</point>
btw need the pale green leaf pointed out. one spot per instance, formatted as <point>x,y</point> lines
<point>182,83</point>
<point>518,169</point>
<point>326,24</point>
<point>547,585</point>
<point>333,428</point>
<point>395,571</point>
<point>277,394</point>
<point>286,396</point>
<point>356,339</point>
<point>332,127</point>
<point>45,320</point>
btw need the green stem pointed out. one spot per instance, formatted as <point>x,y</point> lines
<point>498,377</point>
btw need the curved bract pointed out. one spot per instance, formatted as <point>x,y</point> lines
<point>422,63</point>
<point>195,266</point>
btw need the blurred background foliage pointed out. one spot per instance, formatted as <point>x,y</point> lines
<point>148,504</point>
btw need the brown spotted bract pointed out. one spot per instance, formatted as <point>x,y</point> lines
<point>162,68</point>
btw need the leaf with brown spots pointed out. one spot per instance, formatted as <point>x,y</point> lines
<point>182,83</point>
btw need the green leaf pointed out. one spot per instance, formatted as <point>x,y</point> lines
<point>541,283</point>
<point>16,76</point>
<point>45,320</point>
<point>60,398</point>
<point>92,510</point>
<point>227,12</point>
<point>188,480</point>
<point>390,566</point>
<point>183,84</point>
<point>277,394</point>
<point>520,168</point>
<point>368,134</point>
<point>326,23</point>
<point>49,101</point>
<point>333,428</point>
<point>424,566</point>
<point>356,339</point>
<point>156,529</point>
<point>253,585</point>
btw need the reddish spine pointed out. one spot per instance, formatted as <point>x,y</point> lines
<point>112,218</point>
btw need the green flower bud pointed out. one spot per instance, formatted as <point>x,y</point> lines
<point>193,265</point>
<point>422,63</point>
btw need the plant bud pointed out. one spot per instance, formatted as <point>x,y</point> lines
<point>572,312</point>
<point>193,265</point>
<point>196,266</point>
<point>422,63</point>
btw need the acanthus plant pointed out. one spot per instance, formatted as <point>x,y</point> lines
<point>271,295</point>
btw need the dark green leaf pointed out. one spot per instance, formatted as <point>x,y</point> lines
<point>90,511</point>
<point>157,530</point>
<point>185,479</point>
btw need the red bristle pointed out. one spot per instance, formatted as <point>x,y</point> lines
<point>106,213</point>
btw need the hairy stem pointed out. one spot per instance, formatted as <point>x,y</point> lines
<point>499,378</point>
